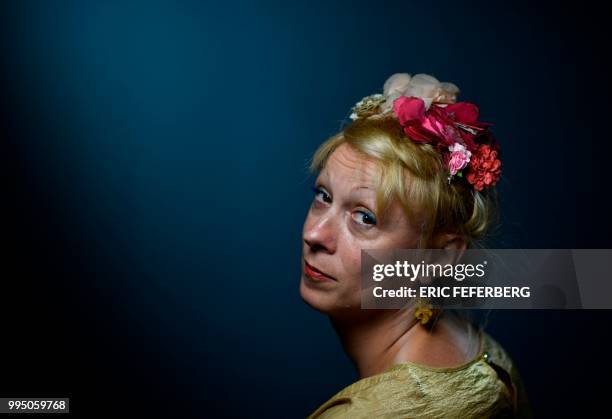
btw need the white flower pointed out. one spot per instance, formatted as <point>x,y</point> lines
<point>448,93</point>
<point>394,87</point>
<point>397,83</point>
<point>423,86</point>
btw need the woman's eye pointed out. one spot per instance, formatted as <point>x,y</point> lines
<point>364,217</point>
<point>321,195</point>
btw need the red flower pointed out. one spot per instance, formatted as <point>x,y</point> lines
<point>409,109</point>
<point>410,112</point>
<point>465,115</point>
<point>443,126</point>
<point>485,167</point>
<point>464,112</point>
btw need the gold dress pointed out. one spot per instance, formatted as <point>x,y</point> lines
<point>488,386</point>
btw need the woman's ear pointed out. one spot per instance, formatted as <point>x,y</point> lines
<point>450,241</point>
<point>453,241</point>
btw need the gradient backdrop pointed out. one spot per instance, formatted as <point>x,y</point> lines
<point>154,167</point>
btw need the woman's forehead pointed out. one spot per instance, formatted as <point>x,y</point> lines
<point>351,169</point>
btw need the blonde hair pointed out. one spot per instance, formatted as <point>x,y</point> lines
<point>425,195</point>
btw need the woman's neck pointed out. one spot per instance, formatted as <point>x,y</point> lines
<point>379,339</point>
<point>374,341</point>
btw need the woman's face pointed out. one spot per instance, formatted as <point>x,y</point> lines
<point>341,221</point>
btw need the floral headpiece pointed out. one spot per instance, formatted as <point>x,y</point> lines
<point>429,113</point>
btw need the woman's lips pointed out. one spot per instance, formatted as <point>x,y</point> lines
<point>316,274</point>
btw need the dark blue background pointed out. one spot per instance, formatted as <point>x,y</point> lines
<point>154,163</point>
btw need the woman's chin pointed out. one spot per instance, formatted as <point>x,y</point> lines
<point>316,295</point>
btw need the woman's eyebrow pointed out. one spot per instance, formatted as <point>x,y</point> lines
<point>359,193</point>
<point>323,177</point>
<point>356,188</point>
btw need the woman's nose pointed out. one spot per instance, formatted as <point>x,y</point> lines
<point>320,233</point>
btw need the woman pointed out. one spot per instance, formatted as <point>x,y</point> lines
<point>414,169</point>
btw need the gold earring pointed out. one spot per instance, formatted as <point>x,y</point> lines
<point>424,312</point>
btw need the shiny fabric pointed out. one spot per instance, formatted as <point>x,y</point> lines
<point>488,386</point>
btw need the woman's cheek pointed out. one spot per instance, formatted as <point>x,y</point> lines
<point>352,259</point>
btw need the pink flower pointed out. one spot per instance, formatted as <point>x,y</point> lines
<point>459,158</point>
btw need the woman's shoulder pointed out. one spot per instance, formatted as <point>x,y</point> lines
<point>497,357</point>
<point>486,386</point>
